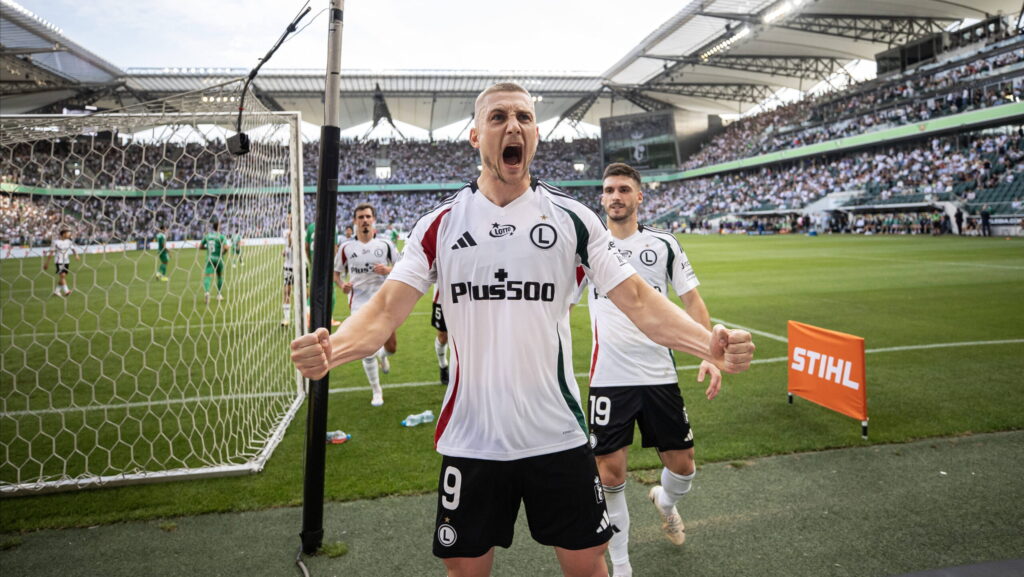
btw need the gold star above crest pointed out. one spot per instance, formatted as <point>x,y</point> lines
<point>543,217</point>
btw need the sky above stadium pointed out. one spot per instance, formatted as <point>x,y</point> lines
<point>566,35</point>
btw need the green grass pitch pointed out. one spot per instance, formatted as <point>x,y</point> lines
<point>902,294</point>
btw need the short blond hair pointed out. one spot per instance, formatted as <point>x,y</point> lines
<point>499,87</point>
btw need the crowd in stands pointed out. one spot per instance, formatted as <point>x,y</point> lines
<point>93,163</point>
<point>989,77</point>
<point>949,168</point>
<point>955,168</point>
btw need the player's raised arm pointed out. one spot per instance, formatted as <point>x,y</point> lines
<point>669,326</point>
<point>360,336</point>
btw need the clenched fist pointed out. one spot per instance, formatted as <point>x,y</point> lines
<point>311,353</point>
<point>732,350</point>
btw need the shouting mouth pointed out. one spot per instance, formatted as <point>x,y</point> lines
<point>512,155</point>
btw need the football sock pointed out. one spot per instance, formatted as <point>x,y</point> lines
<point>206,283</point>
<point>163,269</point>
<point>674,488</point>
<point>442,352</point>
<point>370,368</point>
<point>618,513</point>
<point>285,309</point>
<point>220,283</point>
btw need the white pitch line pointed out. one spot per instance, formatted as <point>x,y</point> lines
<point>141,329</point>
<point>437,383</point>
<point>929,263</point>
<point>752,331</point>
<point>140,404</point>
<point>945,345</point>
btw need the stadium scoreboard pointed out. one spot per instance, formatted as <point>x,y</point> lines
<point>657,140</point>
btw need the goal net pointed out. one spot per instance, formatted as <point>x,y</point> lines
<point>147,364</point>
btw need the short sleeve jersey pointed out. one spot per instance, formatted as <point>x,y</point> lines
<point>506,276</point>
<point>236,242</point>
<point>358,259</point>
<point>161,242</point>
<point>621,354</point>
<point>214,243</point>
<point>62,248</point>
<point>289,263</point>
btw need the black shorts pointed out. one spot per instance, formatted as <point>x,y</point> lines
<point>658,409</point>
<point>478,502</point>
<point>62,267</point>
<point>289,277</point>
<point>437,319</point>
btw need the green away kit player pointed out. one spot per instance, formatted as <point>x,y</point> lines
<point>215,244</point>
<point>163,254</point>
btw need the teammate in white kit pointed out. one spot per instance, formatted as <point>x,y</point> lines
<point>504,250</point>
<point>441,340</point>
<point>289,278</point>
<point>365,262</point>
<point>61,251</point>
<point>634,380</point>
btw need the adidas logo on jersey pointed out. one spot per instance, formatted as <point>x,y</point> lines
<point>465,241</point>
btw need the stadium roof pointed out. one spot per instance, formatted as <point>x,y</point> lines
<point>40,66</point>
<point>723,56</point>
<point>713,56</point>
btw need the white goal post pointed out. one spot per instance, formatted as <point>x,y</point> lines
<point>149,359</point>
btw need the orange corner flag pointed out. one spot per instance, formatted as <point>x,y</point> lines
<point>827,367</point>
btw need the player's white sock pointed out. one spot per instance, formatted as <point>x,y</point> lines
<point>372,374</point>
<point>66,289</point>
<point>383,353</point>
<point>285,309</point>
<point>442,352</point>
<point>674,488</point>
<point>618,513</point>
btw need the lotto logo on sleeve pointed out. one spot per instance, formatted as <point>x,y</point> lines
<point>827,367</point>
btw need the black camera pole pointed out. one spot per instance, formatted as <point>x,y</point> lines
<point>323,254</point>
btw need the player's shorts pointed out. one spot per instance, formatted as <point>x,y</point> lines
<point>214,266</point>
<point>164,257</point>
<point>289,277</point>
<point>658,409</point>
<point>478,502</point>
<point>62,268</point>
<point>437,319</point>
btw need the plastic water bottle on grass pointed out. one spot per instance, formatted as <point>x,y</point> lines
<point>424,417</point>
<point>337,437</point>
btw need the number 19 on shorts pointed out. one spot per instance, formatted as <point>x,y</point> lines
<point>600,410</point>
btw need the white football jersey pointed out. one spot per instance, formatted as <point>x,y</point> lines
<point>506,277</point>
<point>358,259</point>
<point>62,250</point>
<point>289,264</point>
<point>622,355</point>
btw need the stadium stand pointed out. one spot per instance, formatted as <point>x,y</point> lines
<point>986,76</point>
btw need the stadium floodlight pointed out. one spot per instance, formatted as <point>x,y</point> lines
<point>725,44</point>
<point>779,10</point>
